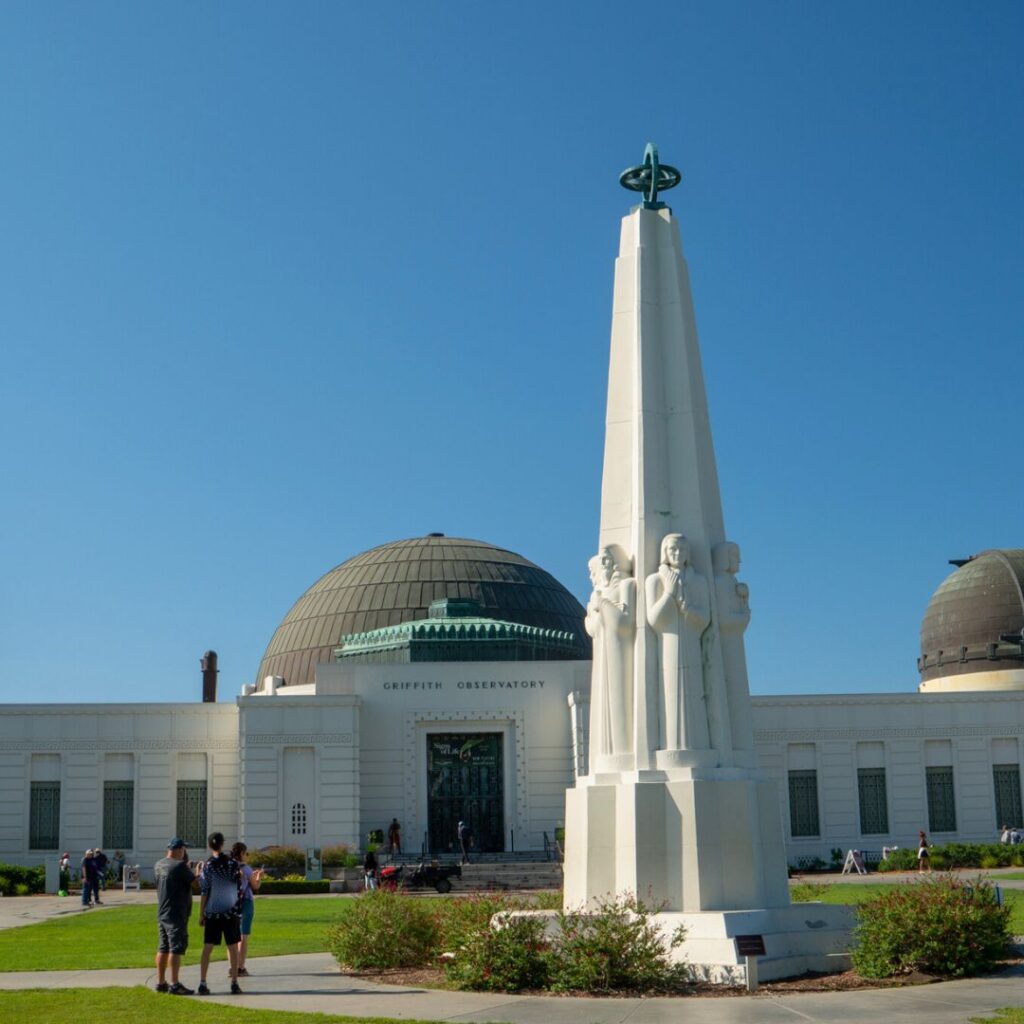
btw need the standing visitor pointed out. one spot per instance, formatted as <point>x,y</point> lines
<point>220,910</point>
<point>101,872</point>
<point>118,863</point>
<point>463,833</point>
<point>89,879</point>
<point>251,881</point>
<point>394,837</point>
<point>174,907</point>
<point>370,871</point>
<point>65,874</point>
<point>923,858</point>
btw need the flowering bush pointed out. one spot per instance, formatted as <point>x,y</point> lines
<point>506,959</point>
<point>936,925</point>
<point>385,929</point>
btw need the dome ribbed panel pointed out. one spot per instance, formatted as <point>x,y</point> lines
<point>396,583</point>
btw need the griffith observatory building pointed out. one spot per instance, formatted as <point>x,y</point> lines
<point>438,679</point>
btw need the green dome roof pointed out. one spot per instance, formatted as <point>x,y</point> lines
<point>397,583</point>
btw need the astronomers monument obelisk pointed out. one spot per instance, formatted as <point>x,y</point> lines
<point>673,808</point>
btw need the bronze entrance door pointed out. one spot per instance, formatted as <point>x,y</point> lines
<point>465,783</point>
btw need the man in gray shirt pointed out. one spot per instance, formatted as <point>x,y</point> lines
<point>174,906</point>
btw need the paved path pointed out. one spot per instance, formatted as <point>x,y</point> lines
<point>311,982</point>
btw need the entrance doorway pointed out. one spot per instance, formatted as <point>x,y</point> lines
<point>465,783</point>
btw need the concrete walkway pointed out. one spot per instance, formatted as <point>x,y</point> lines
<point>312,983</point>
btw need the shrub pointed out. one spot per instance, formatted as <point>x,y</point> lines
<point>617,946</point>
<point>506,959</point>
<point>549,899</point>
<point>936,925</point>
<point>807,892</point>
<point>14,878</point>
<point>287,887</point>
<point>340,856</point>
<point>903,859</point>
<point>385,929</point>
<point>460,921</point>
<point>280,860</point>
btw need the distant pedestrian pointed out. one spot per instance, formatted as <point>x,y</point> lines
<point>923,859</point>
<point>118,866</point>
<point>370,871</point>
<point>174,907</point>
<point>464,833</point>
<point>220,910</point>
<point>90,885</point>
<point>101,871</point>
<point>394,837</point>
<point>1004,834</point>
<point>251,881</point>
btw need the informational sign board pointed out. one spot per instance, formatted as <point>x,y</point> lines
<point>750,945</point>
<point>131,879</point>
<point>854,862</point>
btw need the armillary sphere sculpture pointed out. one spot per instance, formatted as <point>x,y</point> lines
<point>651,177</point>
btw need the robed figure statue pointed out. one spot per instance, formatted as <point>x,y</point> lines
<point>678,610</point>
<point>611,621</point>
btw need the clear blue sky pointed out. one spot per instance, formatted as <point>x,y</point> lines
<point>279,283</point>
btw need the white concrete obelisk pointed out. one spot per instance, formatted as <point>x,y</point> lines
<point>673,808</point>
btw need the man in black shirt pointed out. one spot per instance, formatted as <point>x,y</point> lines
<point>174,906</point>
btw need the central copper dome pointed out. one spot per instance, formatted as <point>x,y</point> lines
<point>396,583</point>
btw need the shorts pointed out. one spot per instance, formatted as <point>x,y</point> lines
<point>248,911</point>
<point>228,927</point>
<point>173,936</point>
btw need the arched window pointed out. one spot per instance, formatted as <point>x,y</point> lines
<point>298,819</point>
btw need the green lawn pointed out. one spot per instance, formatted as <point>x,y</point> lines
<point>127,937</point>
<point>1013,876</point>
<point>1014,1015</point>
<point>141,1006</point>
<point>841,892</point>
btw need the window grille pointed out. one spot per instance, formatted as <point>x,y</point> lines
<point>941,806</point>
<point>803,803</point>
<point>44,816</point>
<point>298,819</point>
<point>874,814</point>
<point>118,810</point>
<point>191,813</point>
<point>1006,778</point>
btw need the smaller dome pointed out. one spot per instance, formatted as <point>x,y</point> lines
<point>974,623</point>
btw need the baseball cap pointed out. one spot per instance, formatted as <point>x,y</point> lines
<point>176,844</point>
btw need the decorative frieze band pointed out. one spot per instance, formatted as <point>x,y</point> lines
<point>296,739</point>
<point>167,743</point>
<point>918,732</point>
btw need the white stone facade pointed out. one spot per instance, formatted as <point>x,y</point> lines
<point>354,755</point>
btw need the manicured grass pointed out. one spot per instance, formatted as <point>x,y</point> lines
<point>1013,1015</point>
<point>1013,876</point>
<point>141,1006</point>
<point>127,936</point>
<point>840,892</point>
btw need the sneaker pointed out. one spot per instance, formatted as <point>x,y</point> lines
<point>162,986</point>
<point>242,972</point>
<point>235,989</point>
<point>202,990</point>
<point>177,989</point>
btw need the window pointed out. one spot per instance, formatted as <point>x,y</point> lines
<point>941,808</point>
<point>44,816</point>
<point>874,814</point>
<point>803,803</point>
<point>191,815</point>
<point>298,819</point>
<point>118,806</point>
<point>1006,778</point>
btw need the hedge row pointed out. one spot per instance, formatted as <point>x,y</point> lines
<point>18,881</point>
<point>957,855</point>
<point>273,887</point>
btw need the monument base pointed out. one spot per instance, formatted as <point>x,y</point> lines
<point>798,938</point>
<point>683,839</point>
<point>704,846</point>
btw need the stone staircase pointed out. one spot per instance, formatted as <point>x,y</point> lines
<point>497,871</point>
